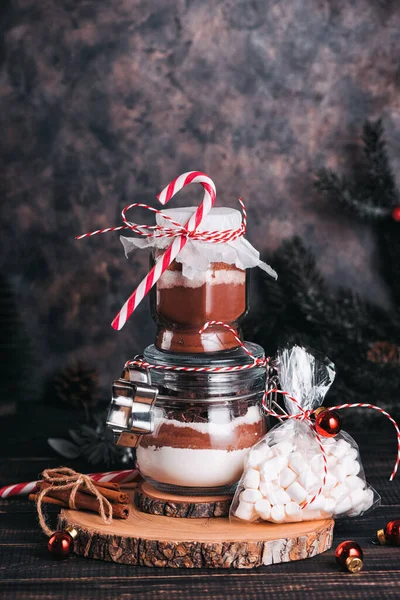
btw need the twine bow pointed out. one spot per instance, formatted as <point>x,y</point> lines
<point>64,478</point>
<point>178,230</point>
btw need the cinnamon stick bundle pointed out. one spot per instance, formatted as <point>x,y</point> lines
<point>111,491</point>
<point>83,501</point>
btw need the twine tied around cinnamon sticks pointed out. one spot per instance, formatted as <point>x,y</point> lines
<point>67,480</point>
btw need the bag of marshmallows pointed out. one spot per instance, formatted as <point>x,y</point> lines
<point>285,470</point>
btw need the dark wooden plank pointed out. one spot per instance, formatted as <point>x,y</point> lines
<point>27,572</point>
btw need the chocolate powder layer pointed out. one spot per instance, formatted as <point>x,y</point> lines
<point>243,436</point>
<point>182,311</point>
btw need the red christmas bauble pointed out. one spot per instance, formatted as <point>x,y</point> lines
<point>349,555</point>
<point>396,214</point>
<point>328,423</point>
<point>391,533</point>
<point>59,544</point>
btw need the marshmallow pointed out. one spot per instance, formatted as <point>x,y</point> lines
<point>271,468</point>
<point>338,492</point>
<point>318,504</point>
<point>297,492</point>
<point>251,496</point>
<point>339,472</point>
<point>283,448</point>
<point>329,507</point>
<point>251,479</point>
<point>328,442</point>
<point>340,449</point>
<point>330,482</point>
<point>356,468</point>
<point>309,480</point>
<point>296,462</point>
<point>286,477</point>
<point>267,488</point>
<point>343,506</point>
<point>331,461</point>
<point>357,498</point>
<point>317,464</point>
<point>293,511</point>
<point>352,453</point>
<point>277,514</point>
<point>263,509</point>
<point>354,483</point>
<point>369,499</point>
<point>246,511</point>
<point>254,459</point>
<point>279,496</point>
<point>349,465</point>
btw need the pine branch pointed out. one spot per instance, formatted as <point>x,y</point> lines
<point>389,242</point>
<point>338,189</point>
<point>380,176</point>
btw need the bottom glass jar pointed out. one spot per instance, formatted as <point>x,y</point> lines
<point>204,423</point>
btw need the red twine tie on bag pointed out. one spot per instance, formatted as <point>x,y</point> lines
<point>179,233</point>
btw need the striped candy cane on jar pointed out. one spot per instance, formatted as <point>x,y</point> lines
<point>178,243</point>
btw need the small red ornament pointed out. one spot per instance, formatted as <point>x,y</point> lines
<point>391,533</point>
<point>328,423</point>
<point>396,214</point>
<point>61,542</point>
<point>349,555</point>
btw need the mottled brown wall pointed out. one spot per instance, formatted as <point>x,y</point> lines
<point>104,102</point>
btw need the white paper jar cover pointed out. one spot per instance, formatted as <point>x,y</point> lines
<point>197,256</point>
<point>285,470</point>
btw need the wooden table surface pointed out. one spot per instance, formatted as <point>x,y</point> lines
<point>28,572</point>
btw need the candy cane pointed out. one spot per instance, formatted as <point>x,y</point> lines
<point>179,242</point>
<point>23,489</point>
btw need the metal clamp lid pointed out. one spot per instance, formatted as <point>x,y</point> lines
<point>130,415</point>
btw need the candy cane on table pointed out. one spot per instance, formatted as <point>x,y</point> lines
<point>23,489</point>
<point>178,243</point>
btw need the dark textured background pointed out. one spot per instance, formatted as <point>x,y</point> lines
<point>103,103</point>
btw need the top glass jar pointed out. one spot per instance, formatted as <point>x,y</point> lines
<point>210,289</point>
<point>181,306</point>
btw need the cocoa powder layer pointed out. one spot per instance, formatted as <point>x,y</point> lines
<point>190,307</point>
<point>168,434</point>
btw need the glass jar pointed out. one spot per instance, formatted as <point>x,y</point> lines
<point>203,423</point>
<point>181,306</point>
<point>206,288</point>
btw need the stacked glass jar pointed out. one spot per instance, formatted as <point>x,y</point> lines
<point>193,427</point>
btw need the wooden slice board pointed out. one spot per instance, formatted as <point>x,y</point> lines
<point>154,502</point>
<point>158,541</point>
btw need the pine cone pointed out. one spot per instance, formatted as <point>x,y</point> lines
<point>77,385</point>
<point>384,352</point>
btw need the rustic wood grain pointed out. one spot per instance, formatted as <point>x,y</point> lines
<point>27,573</point>
<point>153,502</point>
<point>158,541</point>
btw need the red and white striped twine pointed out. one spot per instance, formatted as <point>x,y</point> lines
<point>257,362</point>
<point>305,415</point>
<point>179,233</point>
<point>22,489</point>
